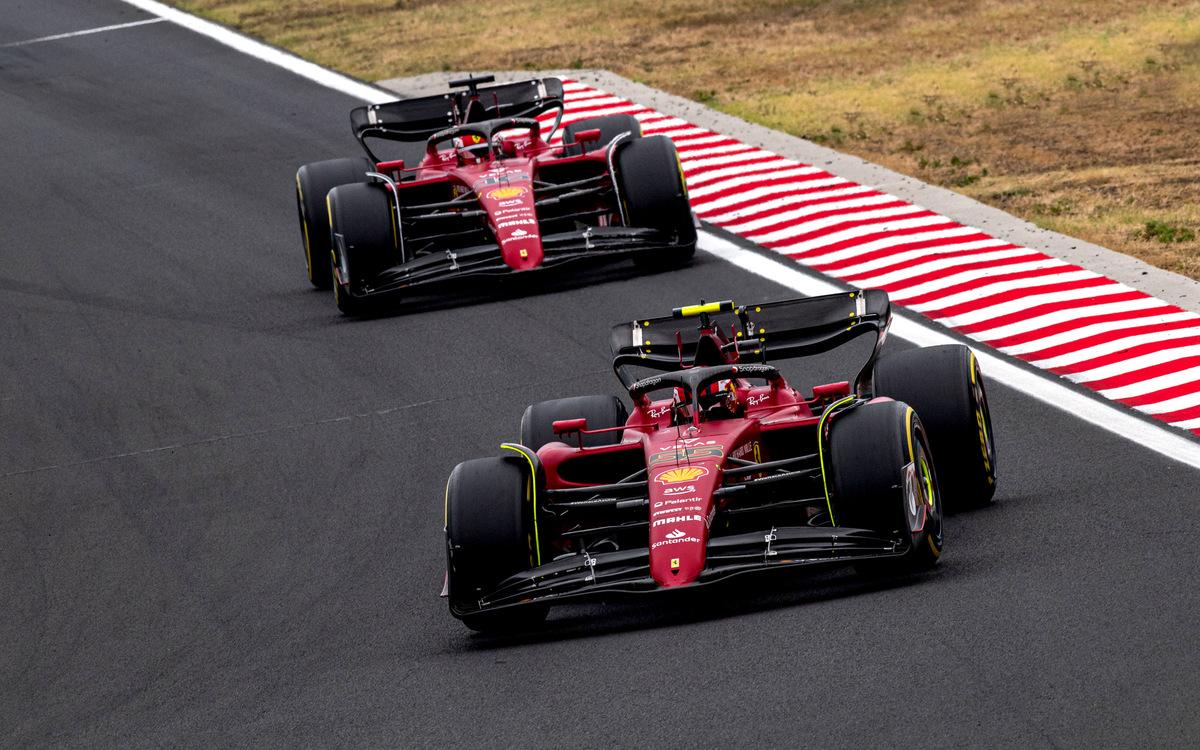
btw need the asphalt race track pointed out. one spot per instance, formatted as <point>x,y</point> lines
<point>221,502</point>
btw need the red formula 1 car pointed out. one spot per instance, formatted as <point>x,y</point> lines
<point>722,468</point>
<point>490,195</point>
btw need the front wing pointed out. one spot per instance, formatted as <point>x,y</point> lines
<point>596,244</point>
<point>583,576</point>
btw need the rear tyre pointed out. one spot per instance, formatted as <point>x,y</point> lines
<point>313,183</point>
<point>654,195</point>
<point>364,240</point>
<point>869,449</point>
<point>599,411</point>
<point>610,126</point>
<point>945,385</point>
<point>489,537</point>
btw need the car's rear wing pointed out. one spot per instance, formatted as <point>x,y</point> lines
<point>416,119</point>
<point>775,330</point>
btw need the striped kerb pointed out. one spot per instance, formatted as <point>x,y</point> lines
<point>1120,342</point>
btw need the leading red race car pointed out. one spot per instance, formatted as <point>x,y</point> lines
<point>722,467</point>
<point>490,196</point>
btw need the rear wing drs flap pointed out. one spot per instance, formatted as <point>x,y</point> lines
<point>418,118</point>
<point>776,330</point>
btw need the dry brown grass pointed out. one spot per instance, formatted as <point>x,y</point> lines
<point>1080,115</point>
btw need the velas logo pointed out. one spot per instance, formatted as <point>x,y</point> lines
<point>506,193</point>
<point>677,455</point>
<point>681,474</point>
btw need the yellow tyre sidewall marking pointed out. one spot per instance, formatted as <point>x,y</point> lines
<point>304,227</point>
<point>926,476</point>
<point>537,544</point>
<point>980,422</point>
<point>821,454</point>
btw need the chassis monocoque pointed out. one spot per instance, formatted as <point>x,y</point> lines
<point>490,195</point>
<point>722,467</point>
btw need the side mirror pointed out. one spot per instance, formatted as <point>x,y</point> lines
<point>587,136</point>
<point>567,426</point>
<point>830,391</point>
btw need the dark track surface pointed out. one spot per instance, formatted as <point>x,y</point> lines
<point>220,502</point>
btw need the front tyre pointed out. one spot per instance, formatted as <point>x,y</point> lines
<point>490,535</point>
<point>945,385</point>
<point>313,183</point>
<point>883,479</point>
<point>363,238</point>
<point>654,195</point>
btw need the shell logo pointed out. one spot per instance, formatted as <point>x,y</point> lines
<point>681,474</point>
<point>505,193</point>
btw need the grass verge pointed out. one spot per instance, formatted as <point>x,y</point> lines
<point>1079,115</point>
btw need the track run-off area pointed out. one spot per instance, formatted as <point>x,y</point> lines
<point>220,501</point>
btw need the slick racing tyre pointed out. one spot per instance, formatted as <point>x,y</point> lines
<point>313,183</point>
<point>654,195</point>
<point>610,126</point>
<point>870,450</point>
<point>599,411</point>
<point>364,239</point>
<point>945,385</point>
<point>489,537</point>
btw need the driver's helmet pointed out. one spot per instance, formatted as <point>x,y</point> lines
<point>719,400</point>
<point>472,146</point>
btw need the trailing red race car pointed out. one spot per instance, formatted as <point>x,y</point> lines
<point>722,468</point>
<point>490,196</point>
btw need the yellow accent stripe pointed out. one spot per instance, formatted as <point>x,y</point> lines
<point>682,178</point>
<point>928,482</point>
<point>304,226</point>
<point>395,231</point>
<point>691,311</point>
<point>908,428</point>
<point>972,365</point>
<point>537,544</point>
<point>821,453</point>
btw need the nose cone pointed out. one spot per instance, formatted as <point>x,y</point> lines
<point>513,218</point>
<point>522,251</point>
<point>680,511</point>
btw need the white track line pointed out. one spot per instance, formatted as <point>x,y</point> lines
<point>84,32</point>
<point>266,52</point>
<point>1044,388</point>
<point>1000,369</point>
